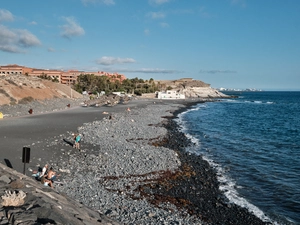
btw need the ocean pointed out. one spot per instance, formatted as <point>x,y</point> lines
<point>253,141</point>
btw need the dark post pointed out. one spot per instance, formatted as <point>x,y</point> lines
<point>25,157</point>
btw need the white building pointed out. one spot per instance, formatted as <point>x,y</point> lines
<point>170,95</point>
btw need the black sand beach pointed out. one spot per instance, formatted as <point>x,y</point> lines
<point>183,194</point>
<point>27,130</point>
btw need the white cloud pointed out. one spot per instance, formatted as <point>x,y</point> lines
<point>158,2</point>
<point>156,15</point>
<point>147,32</point>
<point>27,39</point>
<point>105,2</point>
<point>164,25</point>
<point>33,23</point>
<point>15,40</point>
<point>217,71</point>
<point>51,50</point>
<point>71,28</point>
<point>239,2</point>
<point>6,35</point>
<point>6,15</point>
<point>107,60</point>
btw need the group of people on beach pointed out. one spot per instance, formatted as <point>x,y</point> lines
<point>46,175</point>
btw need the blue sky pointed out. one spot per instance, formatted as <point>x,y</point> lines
<point>226,43</point>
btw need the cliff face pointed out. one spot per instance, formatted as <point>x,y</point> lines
<point>202,92</point>
<point>193,88</point>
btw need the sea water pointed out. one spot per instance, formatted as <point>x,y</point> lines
<point>253,141</point>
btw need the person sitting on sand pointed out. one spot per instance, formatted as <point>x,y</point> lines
<point>52,175</point>
<point>44,170</point>
<point>46,182</point>
<point>38,174</point>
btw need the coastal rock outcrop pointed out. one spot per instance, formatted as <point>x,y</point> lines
<point>202,92</point>
<point>193,88</point>
<point>26,201</point>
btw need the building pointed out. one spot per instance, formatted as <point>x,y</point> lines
<point>63,77</point>
<point>10,69</point>
<point>171,94</point>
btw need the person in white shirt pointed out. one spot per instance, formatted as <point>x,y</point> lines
<point>44,171</point>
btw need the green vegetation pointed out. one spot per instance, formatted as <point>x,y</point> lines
<point>12,82</point>
<point>26,100</point>
<point>4,93</point>
<point>94,84</point>
<point>12,101</point>
<point>46,77</point>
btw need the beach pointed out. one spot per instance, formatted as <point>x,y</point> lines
<point>132,165</point>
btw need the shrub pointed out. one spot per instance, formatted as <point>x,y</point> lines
<point>12,82</point>
<point>4,92</point>
<point>13,101</point>
<point>26,100</point>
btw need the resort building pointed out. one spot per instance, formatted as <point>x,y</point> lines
<point>171,94</point>
<point>64,77</point>
<point>10,69</point>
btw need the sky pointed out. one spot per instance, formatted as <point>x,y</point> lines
<point>225,43</point>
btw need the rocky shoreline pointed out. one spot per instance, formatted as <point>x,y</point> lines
<point>133,168</point>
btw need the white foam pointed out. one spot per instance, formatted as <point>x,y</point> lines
<point>227,185</point>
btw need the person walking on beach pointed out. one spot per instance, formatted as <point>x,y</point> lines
<point>77,138</point>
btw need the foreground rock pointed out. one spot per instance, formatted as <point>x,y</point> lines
<point>25,201</point>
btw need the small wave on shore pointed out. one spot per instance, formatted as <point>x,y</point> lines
<point>227,185</point>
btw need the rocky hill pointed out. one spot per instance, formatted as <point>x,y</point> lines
<point>15,89</point>
<point>192,88</point>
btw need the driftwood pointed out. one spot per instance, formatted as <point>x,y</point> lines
<point>13,198</point>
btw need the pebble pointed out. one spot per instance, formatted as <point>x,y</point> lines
<point>117,158</point>
<point>117,161</point>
